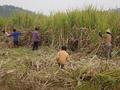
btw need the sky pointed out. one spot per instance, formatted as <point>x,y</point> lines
<point>48,6</point>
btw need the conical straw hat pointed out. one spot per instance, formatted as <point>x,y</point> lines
<point>108,30</point>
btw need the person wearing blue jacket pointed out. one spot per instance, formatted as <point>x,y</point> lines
<point>15,36</point>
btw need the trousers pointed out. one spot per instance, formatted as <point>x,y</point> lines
<point>108,51</point>
<point>35,45</point>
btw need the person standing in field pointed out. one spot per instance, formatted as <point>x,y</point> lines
<point>62,57</point>
<point>15,37</point>
<point>35,39</point>
<point>107,41</point>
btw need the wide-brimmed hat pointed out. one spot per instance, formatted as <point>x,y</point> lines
<point>108,31</point>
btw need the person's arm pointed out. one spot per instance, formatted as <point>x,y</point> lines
<point>38,36</point>
<point>7,34</point>
<point>11,34</point>
<point>68,57</point>
<point>57,56</point>
<point>19,33</point>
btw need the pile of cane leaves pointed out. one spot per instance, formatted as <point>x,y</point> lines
<point>24,69</point>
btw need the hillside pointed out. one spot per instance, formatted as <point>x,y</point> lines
<point>118,9</point>
<point>7,10</point>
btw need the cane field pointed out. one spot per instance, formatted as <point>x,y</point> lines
<point>24,69</point>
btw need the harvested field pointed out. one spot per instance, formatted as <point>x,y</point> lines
<point>23,69</point>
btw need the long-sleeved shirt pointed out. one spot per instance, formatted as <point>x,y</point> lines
<point>15,36</point>
<point>62,57</point>
<point>107,39</point>
<point>35,36</point>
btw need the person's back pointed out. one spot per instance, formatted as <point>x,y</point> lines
<point>15,35</point>
<point>35,39</point>
<point>35,36</point>
<point>108,39</point>
<point>62,57</point>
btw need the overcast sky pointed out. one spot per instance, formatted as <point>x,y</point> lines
<point>47,6</point>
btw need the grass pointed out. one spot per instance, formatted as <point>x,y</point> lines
<point>23,69</point>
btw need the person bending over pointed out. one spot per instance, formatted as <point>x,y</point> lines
<point>62,57</point>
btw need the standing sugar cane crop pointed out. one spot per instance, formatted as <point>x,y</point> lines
<point>107,43</point>
<point>10,41</point>
<point>62,57</point>
<point>73,44</point>
<point>35,39</point>
<point>5,39</point>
